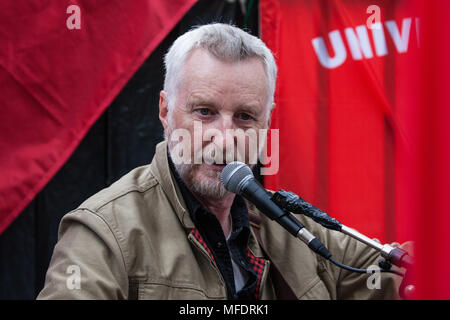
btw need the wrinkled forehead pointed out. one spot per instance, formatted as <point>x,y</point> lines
<point>246,76</point>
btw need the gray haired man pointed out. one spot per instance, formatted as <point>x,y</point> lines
<point>169,230</point>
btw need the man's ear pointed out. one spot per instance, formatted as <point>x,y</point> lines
<point>164,110</point>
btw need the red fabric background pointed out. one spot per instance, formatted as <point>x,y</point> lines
<point>338,126</point>
<point>427,190</point>
<point>369,141</point>
<point>56,82</point>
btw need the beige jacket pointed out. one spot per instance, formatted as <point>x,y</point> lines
<point>135,240</point>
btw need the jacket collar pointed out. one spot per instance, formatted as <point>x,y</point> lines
<point>161,171</point>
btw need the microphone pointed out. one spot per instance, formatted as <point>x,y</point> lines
<point>237,177</point>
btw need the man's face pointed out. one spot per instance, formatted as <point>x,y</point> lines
<point>221,97</point>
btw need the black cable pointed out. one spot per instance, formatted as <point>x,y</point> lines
<point>343,266</point>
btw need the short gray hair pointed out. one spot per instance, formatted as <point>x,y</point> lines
<point>225,42</point>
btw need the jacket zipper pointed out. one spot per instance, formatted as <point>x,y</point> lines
<point>206,254</point>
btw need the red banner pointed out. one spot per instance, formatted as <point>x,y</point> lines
<point>363,115</point>
<point>339,89</point>
<point>61,64</point>
<point>427,188</point>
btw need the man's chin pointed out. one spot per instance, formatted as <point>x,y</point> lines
<point>206,182</point>
<point>203,180</point>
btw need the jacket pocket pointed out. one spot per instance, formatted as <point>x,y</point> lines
<point>162,291</point>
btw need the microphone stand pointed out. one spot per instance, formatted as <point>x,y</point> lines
<point>392,255</point>
<point>238,178</point>
<point>292,202</point>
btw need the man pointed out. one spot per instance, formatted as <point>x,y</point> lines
<point>170,230</point>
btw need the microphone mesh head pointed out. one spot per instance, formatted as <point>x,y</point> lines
<point>233,174</point>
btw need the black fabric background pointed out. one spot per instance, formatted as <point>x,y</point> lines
<point>123,138</point>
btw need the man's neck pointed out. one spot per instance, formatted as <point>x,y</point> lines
<point>221,208</point>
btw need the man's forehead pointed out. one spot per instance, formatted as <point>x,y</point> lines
<point>200,62</point>
<point>203,70</point>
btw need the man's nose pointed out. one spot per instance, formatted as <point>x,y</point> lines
<point>226,125</point>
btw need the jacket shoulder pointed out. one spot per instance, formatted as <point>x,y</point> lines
<point>135,183</point>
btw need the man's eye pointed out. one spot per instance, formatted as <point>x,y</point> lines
<point>245,116</point>
<point>204,111</point>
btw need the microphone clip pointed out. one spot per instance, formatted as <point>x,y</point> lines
<point>295,204</point>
